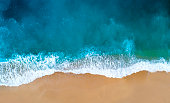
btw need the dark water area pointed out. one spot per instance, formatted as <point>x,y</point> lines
<point>133,27</point>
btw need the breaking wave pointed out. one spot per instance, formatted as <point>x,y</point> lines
<point>23,70</point>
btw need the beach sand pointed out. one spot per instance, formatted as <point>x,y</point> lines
<point>142,87</point>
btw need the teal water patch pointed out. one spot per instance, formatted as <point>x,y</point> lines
<point>153,54</point>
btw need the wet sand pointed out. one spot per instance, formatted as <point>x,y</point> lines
<point>142,87</point>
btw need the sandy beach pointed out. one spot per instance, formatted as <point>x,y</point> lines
<point>142,87</point>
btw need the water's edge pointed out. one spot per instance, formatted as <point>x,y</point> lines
<point>23,70</point>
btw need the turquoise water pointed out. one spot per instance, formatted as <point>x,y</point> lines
<point>114,38</point>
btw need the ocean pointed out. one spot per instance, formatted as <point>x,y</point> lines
<point>114,38</point>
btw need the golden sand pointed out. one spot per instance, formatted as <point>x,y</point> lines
<point>142,87</point>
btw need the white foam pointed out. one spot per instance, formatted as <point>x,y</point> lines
<point>109,66</point>
<point>28,77</point>
<point>122,72</point>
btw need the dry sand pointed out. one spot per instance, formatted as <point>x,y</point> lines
<point>142,87</point>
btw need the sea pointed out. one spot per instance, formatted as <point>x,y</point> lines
<point>114,38</point>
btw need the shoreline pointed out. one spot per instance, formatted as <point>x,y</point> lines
<point>141,87</point>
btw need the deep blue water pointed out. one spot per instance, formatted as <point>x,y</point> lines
<point>34,26</point>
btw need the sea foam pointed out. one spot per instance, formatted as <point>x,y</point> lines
<point>23,70</point>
